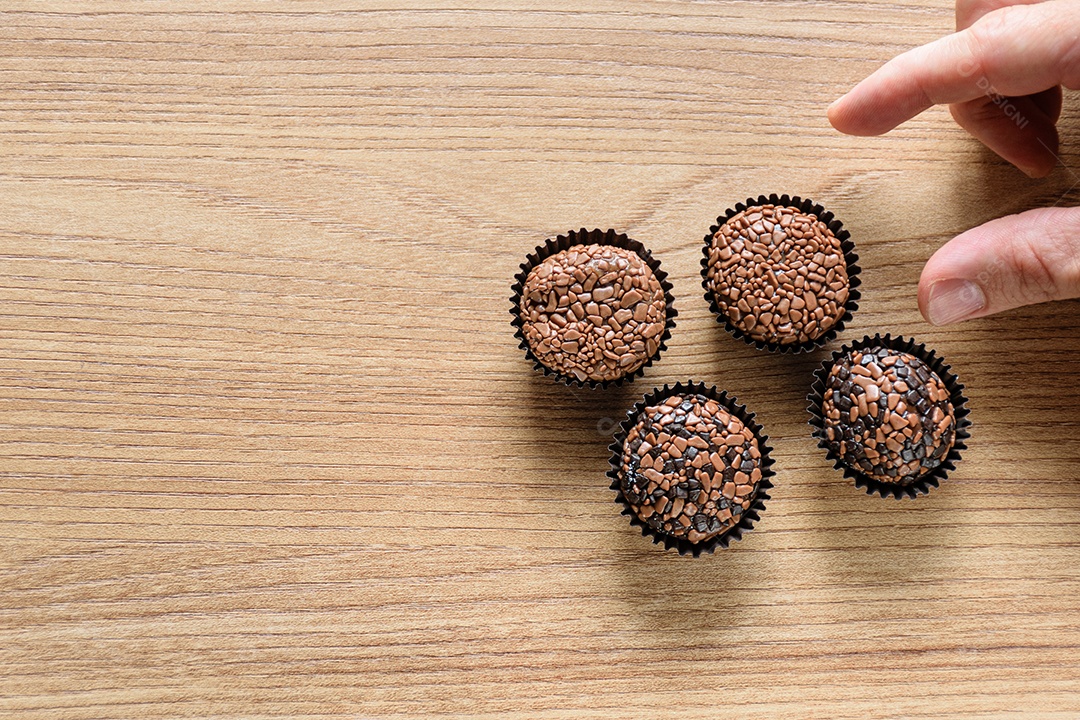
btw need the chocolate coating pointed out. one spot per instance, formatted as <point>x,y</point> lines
<point>778,274</point>
<point>593,312</point>
<point>690,468</point>
<point>888,415</point>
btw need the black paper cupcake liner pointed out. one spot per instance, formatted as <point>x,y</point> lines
<point>923,484</point>
<point>590,237</point>
<point>850,258</point>
<point>748,518</point>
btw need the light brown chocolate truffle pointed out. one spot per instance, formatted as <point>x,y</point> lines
<point>778,274</point>
<point>690,468</point>
<point>888,415</point>
<point>593,312</point>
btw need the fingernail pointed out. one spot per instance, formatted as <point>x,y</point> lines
<point>1037,173</point>
<point>954,300</point>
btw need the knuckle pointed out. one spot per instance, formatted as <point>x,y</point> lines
<point>1066,48</point>
<point>1000,21</point>
<point>1069,62</point>
<point>1040,268</point>
<point>987,34</point>
<point>1036,280</point>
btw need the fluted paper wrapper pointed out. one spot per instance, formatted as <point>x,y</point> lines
<point>748,518</point>
<point>589,237</point>
<point>851,260</point>
<point>925,483</point>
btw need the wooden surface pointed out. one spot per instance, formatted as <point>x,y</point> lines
<point>268,448</point>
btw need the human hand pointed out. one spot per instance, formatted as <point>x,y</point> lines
<point>1001,74</point>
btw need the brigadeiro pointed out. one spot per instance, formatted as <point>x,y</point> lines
<point>891,414</point>
<point>592,308</point>
<point>691,468</point>
<point>780,272</point>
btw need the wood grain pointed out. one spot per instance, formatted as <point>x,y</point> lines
<point>268,448</point>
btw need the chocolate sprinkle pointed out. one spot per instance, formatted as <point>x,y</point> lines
<point>778,273</point>
<point>888,415</point>
<point>690,467</point>
<point>593,312</point>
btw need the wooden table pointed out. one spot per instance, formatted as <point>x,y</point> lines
<point>268,448</point>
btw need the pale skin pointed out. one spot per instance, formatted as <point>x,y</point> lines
<point>1001,74</point>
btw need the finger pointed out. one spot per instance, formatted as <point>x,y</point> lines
<point>1017,129</point>
<point>968,11</point>
<point>1017,260</point>
<point>1049,101</point>
<point>1014,51</point>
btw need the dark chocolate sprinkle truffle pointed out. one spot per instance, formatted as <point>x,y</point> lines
<point>888,415</point>
<point>778,273</point>
<point>690,468</point>
<point>593,312</point>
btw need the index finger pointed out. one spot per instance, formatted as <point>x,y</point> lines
<point>1013,51</point>
<point>968,11</point>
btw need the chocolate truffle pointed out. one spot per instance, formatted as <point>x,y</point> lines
<point>690,467</point>
<point>778,274</point>
<point>887,415</point>
<point>593,312</point>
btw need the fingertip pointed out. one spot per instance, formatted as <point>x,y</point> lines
<point>837,115</point>
<point>1041,159</point>
<point>1037,173</point>
<point>953,300</point>
<point>851,116</point>
<point>1003,264</point>
<point>830,111</point>
<point>949,291</point>
<point>1047,159</point>
<point>923,298</point>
